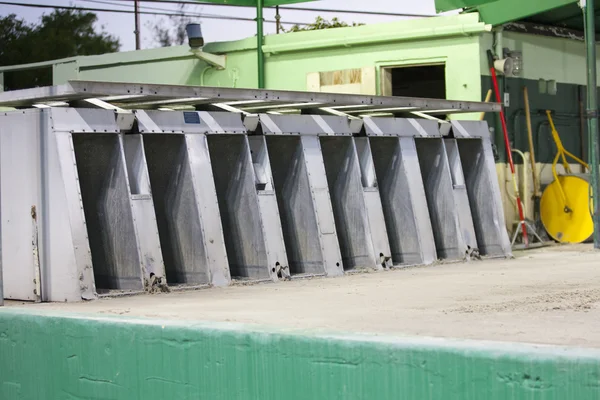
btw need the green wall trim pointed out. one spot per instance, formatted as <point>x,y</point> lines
<point>405,30</point>
<point>76,357</point>
<point>228,47</point>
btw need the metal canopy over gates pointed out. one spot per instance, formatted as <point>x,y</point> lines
<point>96,198</point>
<point>127,96</point>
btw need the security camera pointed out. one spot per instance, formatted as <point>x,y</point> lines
<point>196,42</point>
<point>194,34</point>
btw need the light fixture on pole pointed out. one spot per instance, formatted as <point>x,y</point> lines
<point>196,43</point>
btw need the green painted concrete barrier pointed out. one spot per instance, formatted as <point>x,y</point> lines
<point>75,357</point>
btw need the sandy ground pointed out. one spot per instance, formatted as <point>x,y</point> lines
<point>549,295</point>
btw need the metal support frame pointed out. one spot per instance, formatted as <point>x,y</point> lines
<point>136,12</point>
<point>152,96</point>
<point>142,205</point>
<point>402,192</point>
<point>40,146</point>
<point>370,188</point>
<point>477,160</point>
<point>246,221</point>
<point>445,212</point>
<point>214,60</point>
<point>461,198</point>
<point>530,228</point>
<point>238,204</point>
<point>238,191</point>
<point>350,211</point>
<point>193,197</point>
<point>117,204</point>
<point>259,43</point>
<point>186,203</point>
<point>108,210</point>
<point>20,154</point>
<point>277,261</point>
<point>277,20</point>
<point>184,194</point>
<point>302,189</point>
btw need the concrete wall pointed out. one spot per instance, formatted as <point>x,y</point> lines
<point>69,356</point>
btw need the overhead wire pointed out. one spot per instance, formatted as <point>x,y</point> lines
<point>113,3</point>
<point>311,9</point>
<point>195,3</point>
<point>168,11</point>
<point>174,14</point>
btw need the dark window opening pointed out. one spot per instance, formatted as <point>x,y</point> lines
<point>427,81</point>
<point>26,79</point>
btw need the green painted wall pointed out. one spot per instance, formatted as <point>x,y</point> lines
<point>48,356</point>
<point>290,57</point>
<point>458,41</point>
<point>459,54</point>
<point>563,60</point>
<point>171,65</point>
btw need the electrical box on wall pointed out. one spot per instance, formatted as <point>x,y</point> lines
<point>548,87</point>
<point>552,87</point>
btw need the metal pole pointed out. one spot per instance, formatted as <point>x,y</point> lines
<point>277,20</point>
<point>592,112</point>
<point>136,11</point>
<point>259,43</point>
<point>536,190</point>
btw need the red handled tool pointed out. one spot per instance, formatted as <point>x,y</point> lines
<point>508,149</point>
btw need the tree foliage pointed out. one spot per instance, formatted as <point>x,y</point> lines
<point>171,31</point>
<point>61,34</point>
<point>322,23</point>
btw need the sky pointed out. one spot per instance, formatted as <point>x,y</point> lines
<point>122,25</point>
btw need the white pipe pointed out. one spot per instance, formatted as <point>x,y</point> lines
<point>498,42</point>
<point>523,179</point>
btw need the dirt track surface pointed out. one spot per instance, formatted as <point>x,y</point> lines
<point>549,295</point>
